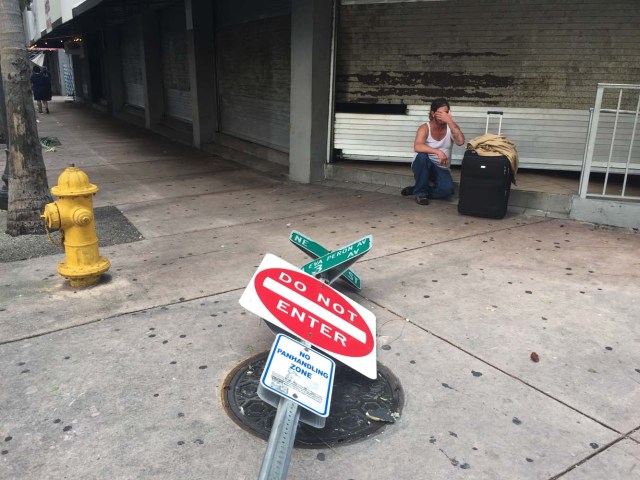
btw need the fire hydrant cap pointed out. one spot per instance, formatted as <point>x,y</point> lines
<point>72,182</point>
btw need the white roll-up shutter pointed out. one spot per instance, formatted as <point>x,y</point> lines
<point>132,64</point>
<point>253,42</point>
<point>175,67</point>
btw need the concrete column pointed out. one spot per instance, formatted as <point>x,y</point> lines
<point>115,85</point>
<point>202,72</point>
<point>154,92</point>
<point>85,91</point>
<point>311,30</point>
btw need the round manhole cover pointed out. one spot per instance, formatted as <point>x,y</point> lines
<point>359,406</point>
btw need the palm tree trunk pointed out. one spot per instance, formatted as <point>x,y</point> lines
<point>28,186</point>
<point>4,191</point>
<point>3,117</point>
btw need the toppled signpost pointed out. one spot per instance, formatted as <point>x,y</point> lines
<point>297,379</point>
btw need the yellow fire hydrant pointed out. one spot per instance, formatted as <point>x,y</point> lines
<point>73,215</point>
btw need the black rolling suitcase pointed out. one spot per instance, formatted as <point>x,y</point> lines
<point>485,183</point>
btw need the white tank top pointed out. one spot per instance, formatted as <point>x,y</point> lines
<point>446,145</point>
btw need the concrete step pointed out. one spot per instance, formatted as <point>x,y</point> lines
<point>247,159</point>
<point>541,203</point>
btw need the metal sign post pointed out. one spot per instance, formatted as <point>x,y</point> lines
<point>283,434</point>
<point>302,378</point>
<point>299,380</point>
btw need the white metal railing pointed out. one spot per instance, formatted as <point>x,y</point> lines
<point>618,148</point>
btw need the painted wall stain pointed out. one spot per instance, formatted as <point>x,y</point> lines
<point>468,54</point>
<point>441,79</point>
<point>411,95</point>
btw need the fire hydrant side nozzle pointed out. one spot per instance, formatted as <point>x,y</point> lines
<point>51,216</point>
<point>72,214</point>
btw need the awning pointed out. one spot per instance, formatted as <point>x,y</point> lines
<point>38,59</point>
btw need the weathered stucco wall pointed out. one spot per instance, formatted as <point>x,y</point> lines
<point>529,53</point>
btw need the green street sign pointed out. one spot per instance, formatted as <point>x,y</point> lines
<point>307,245</point>
<point>352,278</point>
<point>337,262</point>
<point>316,250</point>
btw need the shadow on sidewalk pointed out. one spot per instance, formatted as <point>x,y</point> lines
<point>112,228</point>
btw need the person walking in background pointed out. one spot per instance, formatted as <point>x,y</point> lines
<point>41,86</point>
<point>433,144</point>
<point>47,73</point>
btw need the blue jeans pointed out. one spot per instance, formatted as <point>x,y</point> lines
<point>423,171</point>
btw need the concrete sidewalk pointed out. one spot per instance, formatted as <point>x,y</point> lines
<point>123,380</point>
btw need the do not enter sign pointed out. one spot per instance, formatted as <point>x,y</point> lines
<point>305,306</point>
<point>314,312</point>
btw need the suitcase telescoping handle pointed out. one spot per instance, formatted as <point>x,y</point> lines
<point>494,112</point>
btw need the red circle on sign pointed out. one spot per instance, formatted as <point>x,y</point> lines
<point>279,291</point>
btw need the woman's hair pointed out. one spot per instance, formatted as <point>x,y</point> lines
<point>36,69</point>
<point>439,102</point>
